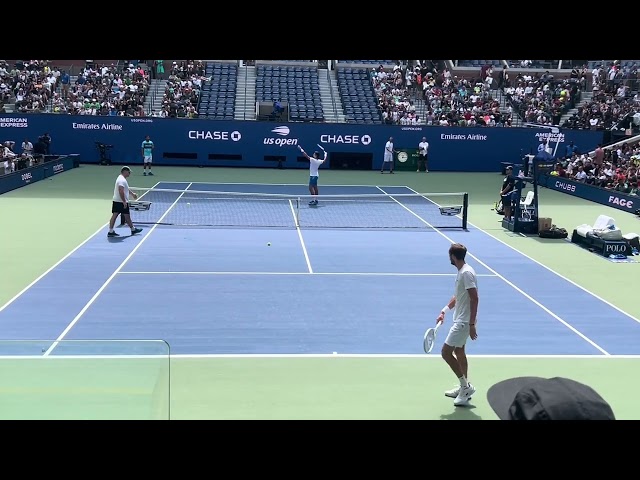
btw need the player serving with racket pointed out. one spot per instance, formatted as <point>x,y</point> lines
<point>465,303</point>
<point>314,165</point>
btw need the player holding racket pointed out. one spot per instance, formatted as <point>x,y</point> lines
<point>120,203</point>
<point>465,302</point>
<point>314,165</point>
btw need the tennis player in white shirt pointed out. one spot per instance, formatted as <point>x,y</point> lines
<point>465,303</point>
<point>120,203</point>
<point>314,166</point>
<point>423,153</point>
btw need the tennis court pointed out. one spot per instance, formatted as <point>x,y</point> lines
<point>239,300</point>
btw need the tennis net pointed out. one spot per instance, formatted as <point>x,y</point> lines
<point>234,209</point>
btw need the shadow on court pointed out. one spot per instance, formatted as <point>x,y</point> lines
<point>461,413</point>
<point>121,238</point>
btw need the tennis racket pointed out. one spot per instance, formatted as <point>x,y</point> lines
<point>320,146</point>
<point>430,338</point>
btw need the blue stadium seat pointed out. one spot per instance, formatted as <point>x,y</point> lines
<point>217,97</point>
<point>298,86</point>
<point>357,96</point>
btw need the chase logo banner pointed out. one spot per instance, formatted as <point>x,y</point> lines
<point>255,144</point>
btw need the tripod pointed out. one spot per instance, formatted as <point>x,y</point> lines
<point>103,148</point>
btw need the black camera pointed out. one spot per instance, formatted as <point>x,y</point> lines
<point>103,149</point>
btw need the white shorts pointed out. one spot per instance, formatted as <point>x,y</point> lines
<point>458,335</point>
<point>148,158</point>
<point>388,158</point>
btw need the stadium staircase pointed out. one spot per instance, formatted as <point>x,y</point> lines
<point>245,106</point>
<point>330,96</point>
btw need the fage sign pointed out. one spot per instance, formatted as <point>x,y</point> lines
<point>621,202</point>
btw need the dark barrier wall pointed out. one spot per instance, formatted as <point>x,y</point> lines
<point>259,144</point>
<point>621,201</point>
<point>31,175</point>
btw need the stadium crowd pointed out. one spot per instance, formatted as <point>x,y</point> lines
<point>449,100</point>
<point>612,98</point>
<point>182,91</point>
<point>611,168</point>
<point>98,89</point>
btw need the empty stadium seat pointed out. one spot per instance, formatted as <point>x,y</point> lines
<point>358,97</point>
<point>217,97</point>
<point>298,86</point>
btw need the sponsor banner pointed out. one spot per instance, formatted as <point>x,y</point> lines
<point>201,142</point>
<point>611,198</point>
<point>14,122</point>
<point>31,175</point>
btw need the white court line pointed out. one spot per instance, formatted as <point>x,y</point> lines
<point>277,184</point>
<point>108,281</point>
<point>518,289</point>
<point>392,355</point>
<point>304,247</point>
<point>551,270</point>
<point>364,274</point>
<point>311,355</point>
<point>21,292</point>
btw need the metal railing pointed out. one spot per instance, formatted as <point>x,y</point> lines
<point>246,98</point>
<point>152,93</point>
<point>333,99</point>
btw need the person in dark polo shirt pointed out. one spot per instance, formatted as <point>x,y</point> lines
<point>506,192</point>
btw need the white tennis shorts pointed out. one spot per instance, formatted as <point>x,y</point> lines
<point>458,335</point>
<point>388,157</point>
<point>148,158</point>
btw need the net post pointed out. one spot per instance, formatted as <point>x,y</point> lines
<point>465,210</point>
<point>298,212</point>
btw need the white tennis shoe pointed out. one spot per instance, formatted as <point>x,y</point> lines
<point>464,395</point>
<point>453,393</point>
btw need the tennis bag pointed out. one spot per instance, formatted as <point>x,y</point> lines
<point>553,232</point>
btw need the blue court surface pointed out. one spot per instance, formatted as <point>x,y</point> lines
<point>358,274</point>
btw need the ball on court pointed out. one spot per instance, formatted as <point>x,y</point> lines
<point>269,244</point>
<point>188,203</point>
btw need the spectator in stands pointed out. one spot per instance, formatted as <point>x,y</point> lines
<point>278,109</point>
<point>65,81</point>
<point>580,175</point>
<point>27,147</point>
<point>570,150</point>
<point>159,64</point>
<point>598,157</point>
<point>503,78</point>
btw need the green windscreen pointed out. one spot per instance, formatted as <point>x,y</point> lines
<point>84,380</point>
